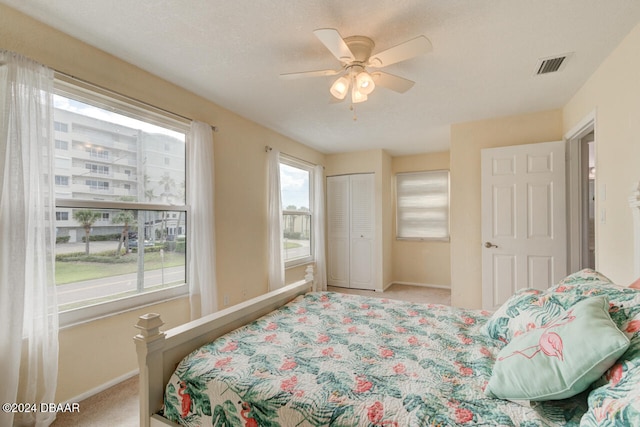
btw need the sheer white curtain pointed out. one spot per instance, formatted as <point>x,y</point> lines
<point>28,309</point>
<point>320,275</point>
<point>201,229</point>
<point>276,264</point>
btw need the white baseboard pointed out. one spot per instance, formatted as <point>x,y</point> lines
<point>424,285</point>
<point>103,387</point>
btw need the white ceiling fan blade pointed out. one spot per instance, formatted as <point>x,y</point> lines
<point>335,43</point>
<point>393,82</point>
<point>401,52</point>
<point>316,73</point>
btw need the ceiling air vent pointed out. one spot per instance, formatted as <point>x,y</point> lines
<point>551,64</point>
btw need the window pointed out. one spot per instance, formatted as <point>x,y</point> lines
<point>296,196</point>
<point>96,185</point>
<point>62,180</point>
<point>99,169</point>
<point>97,152</point>
<point>61,127</point>
<point>113,247</point>
<point>422,205</point>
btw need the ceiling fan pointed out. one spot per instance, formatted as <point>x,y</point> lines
<point>355,54</point>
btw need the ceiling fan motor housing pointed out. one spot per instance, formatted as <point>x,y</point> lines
<point>361,48</point>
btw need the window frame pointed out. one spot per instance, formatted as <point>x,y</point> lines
<point>438,172</point>
<point>85,92</point>
<point>308,167</point>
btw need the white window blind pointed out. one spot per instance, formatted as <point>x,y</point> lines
<point>422,205</point>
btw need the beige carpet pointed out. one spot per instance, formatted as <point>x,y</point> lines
<point>118,405</point>
<point>419,294</point>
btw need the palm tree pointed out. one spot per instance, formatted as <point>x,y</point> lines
<point>127,219</point>
<point>86,217</point>
<point>149,195</point>
<point>167,182</point>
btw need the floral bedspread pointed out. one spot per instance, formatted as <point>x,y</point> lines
<point>345,360</point>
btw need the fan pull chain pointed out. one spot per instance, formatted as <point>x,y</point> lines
<point>352,108</point>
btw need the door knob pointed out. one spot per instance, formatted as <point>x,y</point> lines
<point>489,245</point>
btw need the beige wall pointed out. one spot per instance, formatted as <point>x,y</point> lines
<point>355,162</point>
<point>416,262</point>
<point>613,92</point>
<point>95,353</point>
<point>422,263</point>
<point>388,213</point>
<point>467,139</point>
<point>379,163</point>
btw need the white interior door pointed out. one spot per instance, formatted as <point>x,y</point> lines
<point>338,231</point>
<point>523,219</point>
<point>351,231</point>
<point>362,230</point>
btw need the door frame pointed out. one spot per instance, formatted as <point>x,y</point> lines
<point>575,197</point>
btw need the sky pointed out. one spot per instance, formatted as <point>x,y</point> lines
<point>100,113</point>
<point>295,186</point>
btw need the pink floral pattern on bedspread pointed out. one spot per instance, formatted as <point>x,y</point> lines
<point>345,360</point>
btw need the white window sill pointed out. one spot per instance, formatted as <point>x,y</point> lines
<point>298,262</point>
<point>111,308</point>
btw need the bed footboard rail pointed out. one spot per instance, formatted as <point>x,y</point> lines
<point>160,352</point>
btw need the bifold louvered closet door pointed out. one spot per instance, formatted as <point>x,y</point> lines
<point>351,230</point>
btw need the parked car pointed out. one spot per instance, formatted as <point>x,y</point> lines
<point>133,243</point>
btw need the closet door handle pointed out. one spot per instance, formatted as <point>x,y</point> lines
<point>489,245</point>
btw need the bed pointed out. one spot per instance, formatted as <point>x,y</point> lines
<point>320,358</point>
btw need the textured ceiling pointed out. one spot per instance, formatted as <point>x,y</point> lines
<point>232,52</point>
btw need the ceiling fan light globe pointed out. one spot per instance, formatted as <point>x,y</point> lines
<point>357,96</point>
<point>340,87</point>
<point>365,83</point>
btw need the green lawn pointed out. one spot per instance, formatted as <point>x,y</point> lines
<point>76,271</point>
<point>291,245</point>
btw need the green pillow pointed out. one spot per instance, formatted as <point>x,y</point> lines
<point>561,358</point>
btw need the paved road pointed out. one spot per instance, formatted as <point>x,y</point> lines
<point>299,251</point>
<point>98,288</point>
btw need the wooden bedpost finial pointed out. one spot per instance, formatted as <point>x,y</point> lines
<point>309,273</point>
<point>149,325</point>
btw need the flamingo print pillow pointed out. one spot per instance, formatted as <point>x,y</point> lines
<point>560,359</point>
<point>535,307</point>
